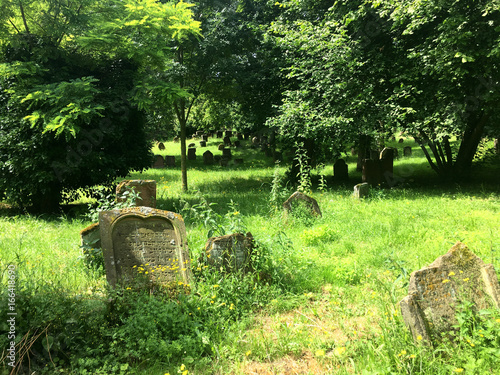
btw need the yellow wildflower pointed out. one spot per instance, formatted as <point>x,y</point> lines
<point>446,281</point>
<point>339,351</point>
<point>320,353</point>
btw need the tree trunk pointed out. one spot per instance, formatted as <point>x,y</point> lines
<point>468,146</point>
<point>183,156</point>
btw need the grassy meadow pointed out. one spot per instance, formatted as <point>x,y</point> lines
<point>323,298</point>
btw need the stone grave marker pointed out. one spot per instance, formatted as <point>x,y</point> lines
<point>204,137</point>
<point>407,151</point>
<point>219,134</point>
<point>228,133</point>
<point>91,237</point>
<point>237,144</point>
<point>311,203</point>
<point>226,153</point>
<point>388,152</point>
<point>176,139</point>
<point>230,253</point>
<point>220,147</point>
<point>170,161</point>
<point>161,146</point>
<point>238,161</point>
<point>434,293</point>
<point>191,145</point>
<point>159,162</point>
<point>191,154</point>
<point>401,140</point>
<point>227,141</point>
<point>371,172</point>
<point>208,158</point>
<point>143,237</point>
<point>361,190</point>
<point>374,154</point>
<point>223,162</point>
<point>146,190</point>
<point>340,170</point>
<point>203,144</point>
<point>255,140</point>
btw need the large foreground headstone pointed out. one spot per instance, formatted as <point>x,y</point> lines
<point>142,239</point>
<point>311,203</point>
<point>146,190</point>
<point>436,291</point>
<point>230,253</point>
<point>340,170</point>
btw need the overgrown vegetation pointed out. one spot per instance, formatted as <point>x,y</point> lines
<point>323,296</point>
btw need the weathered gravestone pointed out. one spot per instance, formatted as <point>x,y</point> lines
<point>223,162</point>
<point>298,197</point>
<point>227,141</point>
<point>374,154</point>
<point>159,162</point>
<point>340,170</point>
<point>239,136</point>
<point>237,144</point>
<point>191,145</point>
<point>208,158</point>
<point>226,153</point>
<point>176,139</point>
<point>204,137</point>
<point>230,253</point>
<point>371,172</point>
<point>146,189</point>
<point>220,147</point>
<point>161,146</point>
<point>191,154</point>
<point>144,239</point>
<point>361,190</point>
<point>388,152</point>
<point>238,161</point>
<point>401,140</point>
<point>203,144</point>
<point>255,140</point>
<point>91,237</point>
<point>219,134</point>
<point>436,291</point>
<point>170,161</point>
<point>407,151</point>
<point>228,133</point>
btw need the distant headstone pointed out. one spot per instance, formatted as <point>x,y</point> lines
<point>217,158</point>
<point>191,154</point>
<point>219,134</point>
<point>407,151</point>
<point>170,161</point>
<point>401,140</point>
<point>230,253</point>
<point>354,151</point>
<point>203,144</point>
<point>91,237</point>
<point>223,162</point>
<point>239,136</point>
<point>237,144</point>
<point>191,145</point>
<point>176,139</point>
<point>435,291</point>
<point>227,141</point>
<point>208,158</point>
<point>311,203</point>
<point>255,140</point>
<point>204,138</point>
<point>238,161</point>
<point>228,133</point>
<point>388,152</point>
<point>159,162</point>
<point>361,190</point>
<point>161,146</point>
<point>386,164</point>
<point>221,147</point>
<point>496,145</point>
<point>141,239</point>
<point>340,170</point>
<point>146,190</point>
<point>226,153</point>
<point>371,172</point>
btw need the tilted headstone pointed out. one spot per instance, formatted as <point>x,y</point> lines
<point>159,162</point>
<point>340,170</point>
<point>310,203</point>
<point>407,151</point>
<point>161,146</point>
<point>146,189</point>
<point>208,158</point>
<point>170,161</point>
<point>361,190</point>
<point>191,154</point>
<point>230,253</point>
<point>436,291</point>
<point>141,239</point>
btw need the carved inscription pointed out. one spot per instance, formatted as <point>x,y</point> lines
<point>150,245</point>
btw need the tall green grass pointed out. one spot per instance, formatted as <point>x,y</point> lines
<point>325,291</point>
